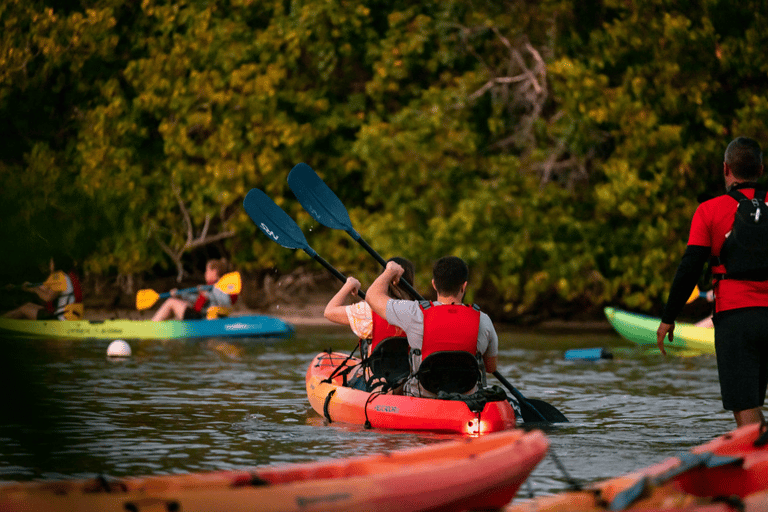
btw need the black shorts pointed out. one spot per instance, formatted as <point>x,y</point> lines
<point>191,314</point>
<point>741,345</point>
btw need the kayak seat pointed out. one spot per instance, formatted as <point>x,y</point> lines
<point>477,400</point>
<point>389,362</point>
<point>450,371</point>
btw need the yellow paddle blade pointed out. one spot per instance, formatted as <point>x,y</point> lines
<point>74,311</point>
<point>56,281</point>
<point>694,295</point>
<point>145,299</point>
<point>231,284</point>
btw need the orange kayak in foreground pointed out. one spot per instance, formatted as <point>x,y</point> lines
<point>335,402</point>
<point>477,473</point>
<point>727,474</point>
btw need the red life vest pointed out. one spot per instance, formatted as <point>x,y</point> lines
<point>202,300</point>
<point>76,289</point>
<point>450,327</point>
<point>382,330</point>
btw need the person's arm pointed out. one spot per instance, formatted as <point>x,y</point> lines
<point>490,363</point>
<point>335,310</point>
<point>686,277</point>
<point>45,293</point>
<point>490,356</point>
<point>377,296</point>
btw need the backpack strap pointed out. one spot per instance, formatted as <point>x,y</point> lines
<point>759,198</point>
<point>738,195</point>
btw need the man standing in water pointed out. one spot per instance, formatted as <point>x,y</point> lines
<point>732,230</point>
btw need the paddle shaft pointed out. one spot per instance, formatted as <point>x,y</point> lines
<point>404,282</point>
<point>325,207</point>
<point>517,394</point>
<point>206,287</point>
<point>330,268</point>
<point>282,229</point>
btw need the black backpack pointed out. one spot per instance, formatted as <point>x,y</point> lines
<point>745,250</point>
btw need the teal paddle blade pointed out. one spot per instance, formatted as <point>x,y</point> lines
<point>318,199</point>
<point>274,222</point>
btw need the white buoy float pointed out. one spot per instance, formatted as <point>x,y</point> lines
<point>119,348</point>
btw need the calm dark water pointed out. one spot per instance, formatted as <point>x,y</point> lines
<point>191,406</point>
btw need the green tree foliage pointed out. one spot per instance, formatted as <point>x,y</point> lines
<point>559,147</point>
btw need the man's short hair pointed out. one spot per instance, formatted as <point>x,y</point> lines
<point>449,274</point>
<point>745,158</point>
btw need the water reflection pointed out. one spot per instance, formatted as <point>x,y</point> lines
<point>190,406</point>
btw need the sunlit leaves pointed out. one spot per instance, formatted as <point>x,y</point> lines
<point>160,116</point>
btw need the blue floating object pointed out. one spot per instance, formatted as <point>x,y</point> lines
<point>588,354</point>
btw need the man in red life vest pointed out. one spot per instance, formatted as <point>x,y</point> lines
<point>740,277</point>
<point>445,327</point>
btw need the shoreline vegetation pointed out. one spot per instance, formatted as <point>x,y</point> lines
<point>560,150</point>
<point>298,298</point>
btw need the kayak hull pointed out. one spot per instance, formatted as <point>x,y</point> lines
<point>338,403</point>
<point>727,473</point>
<point>641,330</point>
<point>230,327</point>
<point>481,473</point>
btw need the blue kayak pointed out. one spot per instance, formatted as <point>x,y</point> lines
<point>250,326</point>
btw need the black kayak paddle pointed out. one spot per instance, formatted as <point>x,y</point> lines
<point>281,228</point>
<point>327,209</point>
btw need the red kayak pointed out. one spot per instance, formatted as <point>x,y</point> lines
<point>338,403</point>
<point>469,473</point>
<point>727,474</point>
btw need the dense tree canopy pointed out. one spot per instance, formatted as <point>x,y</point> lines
<point>559,147</point>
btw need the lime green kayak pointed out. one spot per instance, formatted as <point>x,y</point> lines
<point>641,330</point>
<point>232,327</point>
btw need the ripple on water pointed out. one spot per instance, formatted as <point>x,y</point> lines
<point>179,407</point>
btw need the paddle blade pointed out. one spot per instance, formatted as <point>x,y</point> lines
<point>549,411</point>
<point>56,281</point>
<point>318,199</point>
<point>694,295</point>
<point>273,221</point>
<point>146,299</point>
<point>74,311</point>
<point>231,284</point>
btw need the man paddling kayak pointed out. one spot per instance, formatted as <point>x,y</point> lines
<point>732,231</point>
<point>452,344</point>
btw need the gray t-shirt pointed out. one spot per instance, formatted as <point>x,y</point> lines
<point>407,315</point>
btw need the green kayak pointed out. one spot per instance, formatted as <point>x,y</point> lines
<point>641,330</point>
<point>251,326</point>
